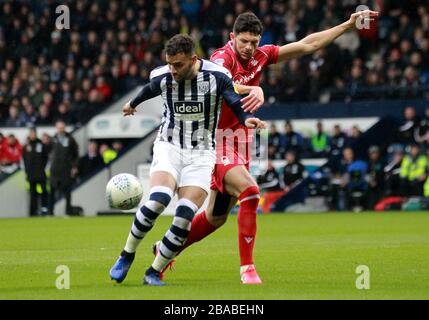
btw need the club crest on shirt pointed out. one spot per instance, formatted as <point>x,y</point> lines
<point>253,62</point>
<point>203,87</point>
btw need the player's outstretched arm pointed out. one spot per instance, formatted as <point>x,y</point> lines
<point>127,110</point>
<point>233,99</point>
<point>149,91</point>
<point>318,40</point>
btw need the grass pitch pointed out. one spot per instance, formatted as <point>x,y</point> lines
<point>298,256</point>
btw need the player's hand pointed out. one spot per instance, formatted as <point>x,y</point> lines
<point>360,17</point>
<point>255,123</point>
<point>127,110</point>
<point>254,100</point>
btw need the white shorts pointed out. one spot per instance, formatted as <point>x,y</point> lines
<point>187,166</point>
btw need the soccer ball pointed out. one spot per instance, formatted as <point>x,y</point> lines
<point>124,191</point>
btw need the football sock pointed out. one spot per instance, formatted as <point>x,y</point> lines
<point>176,236</point>
<point>249,200</point>
<point>145,217</point>
<point>200,229</point>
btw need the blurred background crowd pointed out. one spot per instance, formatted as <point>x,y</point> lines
<point>48,74</point>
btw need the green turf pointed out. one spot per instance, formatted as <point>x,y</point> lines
<point>299,256</point>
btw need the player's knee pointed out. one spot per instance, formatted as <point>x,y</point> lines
<point>159,198</point>
<point>251,191</point>
<point>186,209</point>
<point>217,221</point>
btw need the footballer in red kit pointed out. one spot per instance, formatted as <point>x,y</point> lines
<point>244,73</point>
<point>231,180</point>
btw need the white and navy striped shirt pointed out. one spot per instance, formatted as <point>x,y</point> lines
<point>192,107</point>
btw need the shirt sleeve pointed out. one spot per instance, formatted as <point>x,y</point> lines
<point>222,59</point>
<point>272,51</point>
<point>149,91</point>
<point>232,98</point>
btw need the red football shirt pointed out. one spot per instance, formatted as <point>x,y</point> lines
<point>243,72</point>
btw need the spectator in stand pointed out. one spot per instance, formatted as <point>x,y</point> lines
<point>91,161</point>
<point>107,153</point>
<point>11,154</point>
<point>44,117</point>
<point>426,188</point>
<point>413,172</point>
<point>421,133</point>
<point>392,171</point>
<point>270,183</point>
<point>28,115</point>
<point>64,114</point>
<point>319,142</point>
<point>103,88</point>
<point>117,146</point>
<point>274,140</point>
<point>354,136</point>
<point>14,119</point>
<point>64,157</point>
<point>273,154</point>
<point>293,81</point>
<point>292,141</point>
<point>375,175</point>
<point>35,160</point>
<point>293,172</point>
<point>410,124</point>
<point>348,182</point>
<point>119,43</point>
<point>338,141</point>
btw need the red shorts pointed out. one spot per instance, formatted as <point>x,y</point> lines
<point>226,159</point>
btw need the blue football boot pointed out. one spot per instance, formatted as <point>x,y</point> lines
<point>152,278</point>
<point>120,269</point>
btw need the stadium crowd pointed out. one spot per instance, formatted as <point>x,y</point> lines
<point>48,74</point>
<point>392,172</point>
<point>395,171</point>
<point>70,75</point>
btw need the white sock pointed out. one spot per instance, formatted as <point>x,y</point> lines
<point>160,262</point>
<point>245,267</point>
<point>132,243</point>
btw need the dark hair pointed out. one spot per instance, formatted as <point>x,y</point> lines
<point>180,43</point>
<point>248,22</point>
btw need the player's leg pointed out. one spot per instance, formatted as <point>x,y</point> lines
<point>163,182</point>
<point>191,198</point>
<point>239,183</point>
<point>161,192</point>
<point>216,214</point>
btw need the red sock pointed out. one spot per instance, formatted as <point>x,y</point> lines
<point>200,229</point>
<point>249,200</point>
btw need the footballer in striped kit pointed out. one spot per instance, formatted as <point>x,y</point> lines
<point>184,151</point>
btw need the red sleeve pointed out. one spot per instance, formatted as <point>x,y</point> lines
<point>272,52</point>
<point>14,155</point>
<point>223,59</point>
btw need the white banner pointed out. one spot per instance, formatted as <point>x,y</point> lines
<point>115,126</point>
